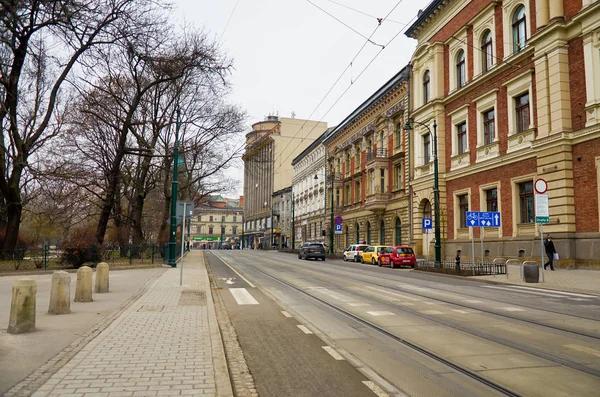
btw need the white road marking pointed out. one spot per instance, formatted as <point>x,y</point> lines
<point>584,349</point>
<point>590,306</point>
<point>579,299</point>
<point>512,309</point>
<point>358,304</point>
<point>235,271</point>
<point>286,314</point>
<point>304,329</point>
<point>332,294</point>
<point>460,311</point>
<point>519,291</point>
<point>512,329</point>
<point>394,294</point>
<point>242,296</point>
<point>557,292</point>
<point>472,301</point>
<point>431,312</point>
<point>375,389</point>
<point>333,353</point>
<point>381,313</point>
<point>228,280</point>
<point>433,303</point>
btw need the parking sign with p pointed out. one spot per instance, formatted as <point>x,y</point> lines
<point>426,223</point>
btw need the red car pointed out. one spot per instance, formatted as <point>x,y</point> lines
<point>399,255</point>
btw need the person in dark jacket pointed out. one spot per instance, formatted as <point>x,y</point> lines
<point>550,251</point>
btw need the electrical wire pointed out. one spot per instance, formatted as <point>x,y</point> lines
<point>339,78</point>
<point>364,13</point>
<point>228,20</point>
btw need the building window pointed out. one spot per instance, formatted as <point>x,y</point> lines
<point>491,199</point>
<point>382,233</point>
<point>461,77</point>
<point>234,229</point>
<point>487,51</point>
<point>526,202</point>
<point>337,197</point>
<point>398,232</point>
<point>357,157</point>
<point>210,230</point>
<point>489,129</point>
<point>371,181</point>
<point>461,135</point>
<point>426,148</point>
<point>518,26</point>
<point>463,207</point>
<point>357,195</point>
<point>397,176</point>
<point>347,202</point>
<point>522,112</point>
<point>368,233</point>
<point>398,135</point>
<point>427,210</point>
<point>357,233</point>
<point>426,87</point>
<point>223,218</point>
<point>234,218</point>
<point>210,218</point>
<point>382,180</point>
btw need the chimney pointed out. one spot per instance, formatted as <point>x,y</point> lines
<point>241,201</point>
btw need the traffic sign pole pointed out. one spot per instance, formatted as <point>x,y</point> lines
<point>542,247</point>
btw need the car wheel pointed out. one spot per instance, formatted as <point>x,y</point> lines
<point>379,263</point>
<point>299,256</point>
<point>392,265</point>
<point>373,261</point>
<point>323,259</point>
<point>361,259</point>
<point>356,258</point>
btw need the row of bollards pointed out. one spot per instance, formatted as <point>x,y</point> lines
<point>23,306</point>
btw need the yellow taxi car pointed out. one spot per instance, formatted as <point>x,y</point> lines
<point>371,254</point>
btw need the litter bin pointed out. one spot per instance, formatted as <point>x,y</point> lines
<point>531,272</point>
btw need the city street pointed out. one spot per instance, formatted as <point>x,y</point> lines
<point>414,333</point>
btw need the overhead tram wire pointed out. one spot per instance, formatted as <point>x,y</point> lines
<point>228,20</point>
<point>345,91</point>
<point>340,77</point>
<point>364,13</point>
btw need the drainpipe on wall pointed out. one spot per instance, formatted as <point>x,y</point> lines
<point>410,194</point>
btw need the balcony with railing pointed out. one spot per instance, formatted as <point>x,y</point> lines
<point>378,200</point>
<point>377,158</point>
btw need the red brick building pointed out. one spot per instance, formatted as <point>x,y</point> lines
<point>514,87</point>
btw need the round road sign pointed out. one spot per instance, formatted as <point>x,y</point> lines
<point>338,220</point>
<point>540,186</point>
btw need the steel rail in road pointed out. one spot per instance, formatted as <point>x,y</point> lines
<point>484,310</point>
<point>473,375</point>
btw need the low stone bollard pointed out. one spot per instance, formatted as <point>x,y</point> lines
<point>60,293</point>
<point>22,309</point>
<point>83,289</point>
<point>101,277</point>
<point>531,272</point>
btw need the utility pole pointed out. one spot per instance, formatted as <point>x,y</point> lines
<point>173,231</point>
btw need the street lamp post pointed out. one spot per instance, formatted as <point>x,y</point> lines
<point>436,189</point>
<point>293,224</point>
<point>172,245</point>
<point>325,208</point>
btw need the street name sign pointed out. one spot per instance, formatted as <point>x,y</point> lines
<point>483,219</point>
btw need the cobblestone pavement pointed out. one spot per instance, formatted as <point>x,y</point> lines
<point>576,280</point>
<point>166,343</point>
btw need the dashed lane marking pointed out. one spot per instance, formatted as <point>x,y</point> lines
<point>304,329</point>
<point>584,349</point>
<point>520,291</point>
<point>381,313</point>
<point>333,353</point>
<point>556,292</point>
<point>358,304</point>
<point>394,294</point>
<point>286,314</point>
<point>242,296</point>
<point>460,311</point>
<point>235,271</point>
<point>512,309</point>
<point>375,389</point>
<point>431,312</point>
<point>472,301</point>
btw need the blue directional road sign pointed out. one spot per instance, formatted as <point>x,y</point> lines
<point>338,229</point>
<point>483,219</point>
<point>426,223</point>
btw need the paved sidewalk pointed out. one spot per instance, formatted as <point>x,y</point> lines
<point>167,343</point>
<point>575,280</point>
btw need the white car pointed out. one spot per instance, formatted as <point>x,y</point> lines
<point>352,253</point>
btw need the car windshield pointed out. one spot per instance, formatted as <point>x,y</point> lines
<point>316,245</point>
<point>388,250</point>
<point>404,250</point>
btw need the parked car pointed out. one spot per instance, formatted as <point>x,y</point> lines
<point>371,254</point>
<point>312,250</point>
<point>399,255</point>
<point>352,252</point>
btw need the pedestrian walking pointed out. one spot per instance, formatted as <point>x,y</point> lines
<point>550,252</point>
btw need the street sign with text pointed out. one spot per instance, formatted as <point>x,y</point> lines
<point>483,219</point>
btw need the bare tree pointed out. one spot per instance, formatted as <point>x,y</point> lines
<point>41,43</point>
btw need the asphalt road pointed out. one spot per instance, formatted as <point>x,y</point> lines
<point>417,334</point>
<point>22,354</point>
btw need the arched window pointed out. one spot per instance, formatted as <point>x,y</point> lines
<point>427,210</point>
<point>519,31</point>
<point>426,87</point>
<point>461,76</point>
<point>486,50</point>
<point>357,234</point>
<point>398,232</point>
<point>368,233</point>
<point>382,233</point>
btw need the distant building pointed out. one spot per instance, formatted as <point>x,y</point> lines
<point>217,222</point>
<point>270,148</point>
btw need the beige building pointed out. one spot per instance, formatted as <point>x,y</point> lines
<point>217,222</point>
<point>270,148</point>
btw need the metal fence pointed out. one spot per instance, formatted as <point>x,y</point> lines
<point>467,268</point>
<point>56,258</point>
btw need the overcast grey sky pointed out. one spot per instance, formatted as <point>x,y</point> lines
<point>288,54</point>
